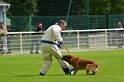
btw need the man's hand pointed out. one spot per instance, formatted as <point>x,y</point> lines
<point>59,44</point>
<point>5,31</point>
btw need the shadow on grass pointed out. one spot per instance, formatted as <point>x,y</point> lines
<point>51,75</point>
<point>40,76</point>
<point>67,75</point>
<point>26,76</point>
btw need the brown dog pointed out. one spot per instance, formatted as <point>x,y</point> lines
<point>79,64</point>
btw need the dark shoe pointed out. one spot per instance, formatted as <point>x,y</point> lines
<point>41,74</point>
<point>2,53</point>
<point>31,52</point>
<point>8,53</point>
<point>119,46</point>
<point>37,52</point>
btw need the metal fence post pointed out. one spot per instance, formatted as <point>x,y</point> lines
<point>106,43</point>
<point>21,43</point>
<point>78,40</point>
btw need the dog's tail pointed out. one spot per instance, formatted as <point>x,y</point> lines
<point>97,68</point>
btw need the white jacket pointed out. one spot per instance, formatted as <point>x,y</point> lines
<point>53,33</point>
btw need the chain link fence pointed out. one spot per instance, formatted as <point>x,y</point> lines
<point>114,19</point>
<point>82,22</point>
<point>27,23</point>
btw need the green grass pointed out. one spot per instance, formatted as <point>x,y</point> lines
<point>25,68</point>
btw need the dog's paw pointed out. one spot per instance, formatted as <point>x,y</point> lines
<point>71,73</point>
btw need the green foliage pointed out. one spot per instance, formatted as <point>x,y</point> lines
<point>47,8</point>
<point>25,68</point>
<point>78,7</point>
<point>21,7</point>
<point>106,6</point>
<point>52,7</point>
<point>60,8</point>
<point>117,7</point>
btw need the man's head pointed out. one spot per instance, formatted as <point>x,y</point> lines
<point>1,25</point>
<point>62,24</point>
<point>119,24</point>
<point>8,27</point>
<point>40,25</point>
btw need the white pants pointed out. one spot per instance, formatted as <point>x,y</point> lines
<point>49,50</point>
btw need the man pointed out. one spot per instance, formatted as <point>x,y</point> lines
<point>35,38</point>
<point>119,34</point>
<point>51,48</point>
<point>3,32</point>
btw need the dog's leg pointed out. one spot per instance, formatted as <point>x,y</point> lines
<point>75,71</point>
<point>87,72</point>
<point>71,70</point>
<point>93,72</point>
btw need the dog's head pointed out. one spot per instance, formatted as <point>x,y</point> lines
<point>66,57</point>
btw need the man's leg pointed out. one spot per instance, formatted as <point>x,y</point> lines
<point>37,45</point>
<point>47,63</point>
<point>57,54</point>
<point>32,45</point>
<point>1,46</point>
<point>65,66</point>
<point>9,45</point>
<point>45,67</point>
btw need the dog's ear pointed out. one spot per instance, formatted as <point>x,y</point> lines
<point>63,57</point>
<point>70,55</point>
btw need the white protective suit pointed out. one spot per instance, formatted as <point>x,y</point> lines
<point>49,49</point>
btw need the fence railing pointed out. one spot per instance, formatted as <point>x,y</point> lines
<point>75,40</point>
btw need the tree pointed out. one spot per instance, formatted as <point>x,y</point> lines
<point>117,7</point>
<point>21,7</point>
<point>59,8</point>
<point>20,12</point>
<point>97,7</point>
<point>52,7</point>
<point>78,7</point>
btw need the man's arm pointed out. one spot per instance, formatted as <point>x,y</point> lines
<point>57,35</point>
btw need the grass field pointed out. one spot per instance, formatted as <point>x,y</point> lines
<point>25,68</point>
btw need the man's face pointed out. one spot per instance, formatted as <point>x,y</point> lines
<point>119,24</point>
<point>63,26</point>
<point>40,26</point>
<point>1,25</point>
